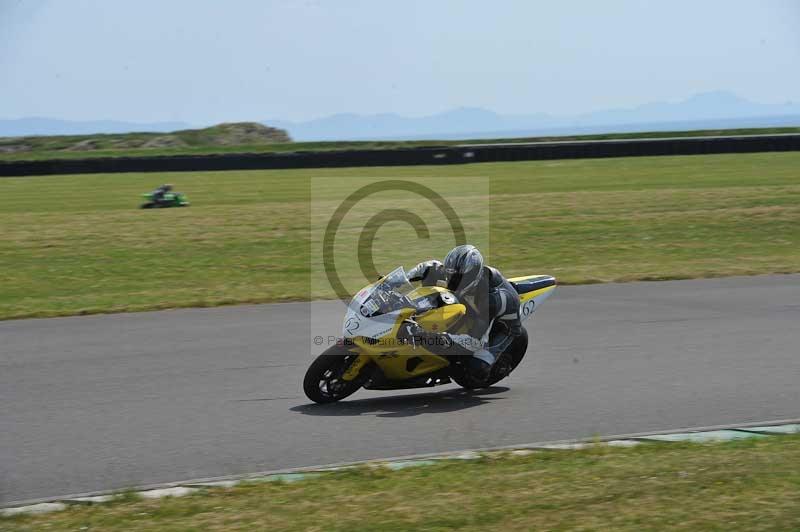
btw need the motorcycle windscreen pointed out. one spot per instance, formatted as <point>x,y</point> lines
<point>374,310</point>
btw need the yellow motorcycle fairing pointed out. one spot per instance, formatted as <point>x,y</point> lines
<point>400,361</point>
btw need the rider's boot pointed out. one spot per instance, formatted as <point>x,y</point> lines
<point>479,371</point>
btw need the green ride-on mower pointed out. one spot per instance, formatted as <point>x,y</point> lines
<point>169,199</point>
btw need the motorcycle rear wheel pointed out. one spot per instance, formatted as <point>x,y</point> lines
<point>516,351</point>
<point>502,368</point>
<point>323,382</point>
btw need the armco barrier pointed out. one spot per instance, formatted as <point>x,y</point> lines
<point>411,156</point>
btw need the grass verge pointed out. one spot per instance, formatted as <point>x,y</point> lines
<point>744,485</point>
<point>79,245</point>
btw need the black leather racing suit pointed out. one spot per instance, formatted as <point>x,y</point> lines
<point>492,314</point>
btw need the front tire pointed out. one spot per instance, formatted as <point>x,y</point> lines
<point>323,381</point>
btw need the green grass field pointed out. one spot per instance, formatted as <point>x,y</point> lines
<point>198,143</point>
<point>745,485</point>
<point>78,244</point>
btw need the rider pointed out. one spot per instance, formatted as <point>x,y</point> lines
<point>160,192</point>
<point>492,308</point>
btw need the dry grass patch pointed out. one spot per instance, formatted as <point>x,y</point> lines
<point>744,485</point>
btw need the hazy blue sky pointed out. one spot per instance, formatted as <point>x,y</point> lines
<point>202,61</point>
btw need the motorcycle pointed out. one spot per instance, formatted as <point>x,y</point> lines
<point>374,353</point>
<point>169,199</point>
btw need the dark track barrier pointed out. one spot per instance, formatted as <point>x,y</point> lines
<point>410,156</point>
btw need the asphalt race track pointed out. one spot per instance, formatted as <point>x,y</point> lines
<point>107,402</point>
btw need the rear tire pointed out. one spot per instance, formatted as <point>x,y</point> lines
<point>502,367</point>
<point>323,383</point>
<point>516,351</point>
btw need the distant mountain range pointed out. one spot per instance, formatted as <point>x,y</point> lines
<point>710,110</point>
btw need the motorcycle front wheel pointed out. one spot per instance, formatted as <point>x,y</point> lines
<point>323,382</point>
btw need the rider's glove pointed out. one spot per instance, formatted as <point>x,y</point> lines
<point>416,335</point>
<point>424,270</point>
<point>409,333</point>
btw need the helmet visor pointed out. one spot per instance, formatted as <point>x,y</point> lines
<point>461,282</point>
<point>453,279</point>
